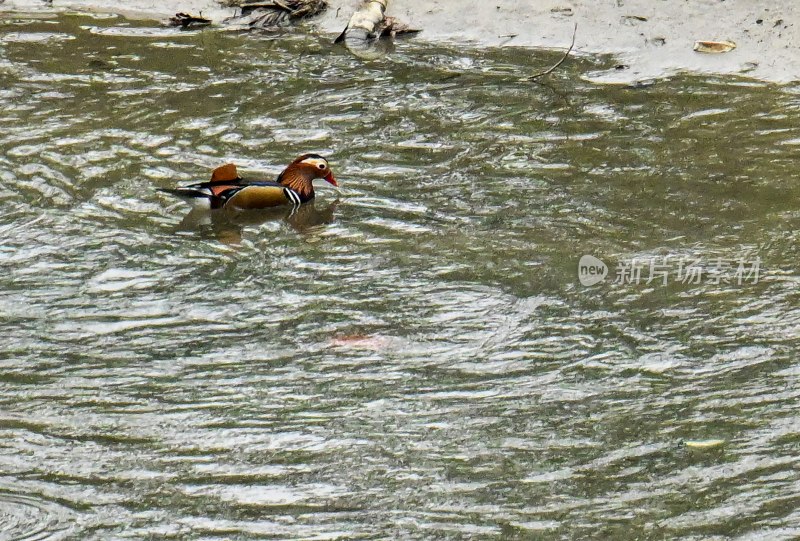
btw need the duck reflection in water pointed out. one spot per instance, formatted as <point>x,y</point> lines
<point>228,226</point>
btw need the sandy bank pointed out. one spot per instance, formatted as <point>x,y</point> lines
<point>651,38</point>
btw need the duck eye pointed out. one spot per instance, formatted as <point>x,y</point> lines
<point>321,166</point>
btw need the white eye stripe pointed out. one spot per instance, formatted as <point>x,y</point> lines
<point>316,162</point>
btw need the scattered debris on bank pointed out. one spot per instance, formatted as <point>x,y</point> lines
<point>714,46</point>
<point>271,14</point>
<point>184,20</point>
<point>257,14</point>
<point>391,27</point>
<point>367,24</point>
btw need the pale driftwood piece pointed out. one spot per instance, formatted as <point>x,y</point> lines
<point>362,29</point>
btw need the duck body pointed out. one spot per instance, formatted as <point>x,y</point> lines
<point>226,189</point>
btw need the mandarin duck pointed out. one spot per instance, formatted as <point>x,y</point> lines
<point>226,189</point>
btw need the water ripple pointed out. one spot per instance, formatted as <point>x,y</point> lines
<point>31,518</point>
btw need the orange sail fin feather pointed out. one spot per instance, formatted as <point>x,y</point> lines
<point>224,173</point>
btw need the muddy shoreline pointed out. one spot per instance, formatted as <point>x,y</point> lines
<point>650,39</point>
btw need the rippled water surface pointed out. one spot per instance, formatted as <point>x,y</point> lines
<point>413,358</point>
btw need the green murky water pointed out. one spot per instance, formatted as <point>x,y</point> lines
<point>415,357</point>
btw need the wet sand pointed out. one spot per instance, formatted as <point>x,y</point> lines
<point>650,39</point>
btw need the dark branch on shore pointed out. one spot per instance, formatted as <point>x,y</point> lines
<point>563,58</point>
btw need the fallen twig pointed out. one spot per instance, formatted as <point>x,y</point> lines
<point>563,58</point>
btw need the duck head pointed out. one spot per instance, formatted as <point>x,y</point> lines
<point>300,174</point>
